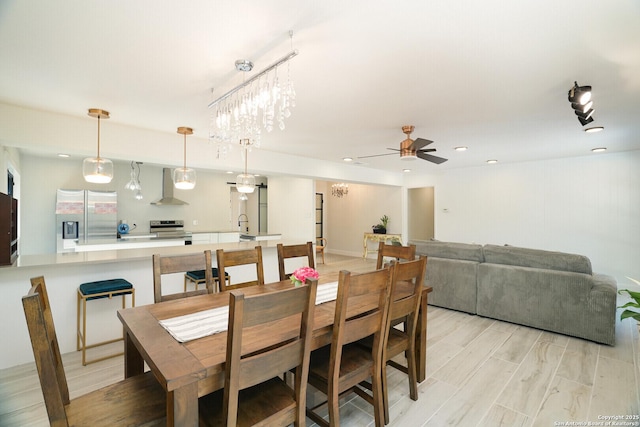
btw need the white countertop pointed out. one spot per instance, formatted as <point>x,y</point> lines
<point>130,254</point>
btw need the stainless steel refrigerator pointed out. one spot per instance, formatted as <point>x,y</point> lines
<point>83,216</point>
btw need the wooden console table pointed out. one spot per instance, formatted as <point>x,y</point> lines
<point>374,237</point>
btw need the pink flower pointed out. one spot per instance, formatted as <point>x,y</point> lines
<point>301,274</point>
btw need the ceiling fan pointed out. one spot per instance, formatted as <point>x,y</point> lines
<point>411,149</point>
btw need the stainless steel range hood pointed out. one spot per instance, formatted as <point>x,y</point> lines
<point>167,191</point>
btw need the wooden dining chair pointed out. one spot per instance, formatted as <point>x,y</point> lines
<point>361,310</point>
<point>228,259</point>
<point>139,400</point>
<point>321,244</point>
<point>163,265</point>
<point>293,251</point>
<point>398,252</point>
<point>407,281</point>
<point>253,393</point>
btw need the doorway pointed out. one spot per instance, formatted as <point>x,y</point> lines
<point>420,208</point>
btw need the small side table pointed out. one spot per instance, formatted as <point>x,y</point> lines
<point>374,237</point>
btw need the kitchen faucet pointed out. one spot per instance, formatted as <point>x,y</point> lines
<point>246,220</point>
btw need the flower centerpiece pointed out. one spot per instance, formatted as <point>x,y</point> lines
<point>300,276</point>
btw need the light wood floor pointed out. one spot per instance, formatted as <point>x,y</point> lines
<point>480,372</point>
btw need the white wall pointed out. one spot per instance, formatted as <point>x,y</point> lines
<point>291,209</point>
<point>588,205</point>
<point>349,217</point>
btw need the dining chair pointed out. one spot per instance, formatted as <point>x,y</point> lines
<point>337,369</point>
<point>228,259</point>
<point>321,244</point>
<point>293,251</point>
<point>253,393</point>
<point>139,400</point>
<point>407,281</point>
<point>171,264</point>
<point>398,252</point>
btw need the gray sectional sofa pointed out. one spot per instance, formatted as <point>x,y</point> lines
<point>554,291</point>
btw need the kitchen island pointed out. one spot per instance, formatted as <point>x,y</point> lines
<point>64,272</point>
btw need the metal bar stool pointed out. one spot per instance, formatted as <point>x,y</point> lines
<point>197,277</point>
<point>96,290</point>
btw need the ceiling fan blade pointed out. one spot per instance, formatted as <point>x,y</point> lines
<point>378,155</point>
<point>427,150</point>
<point>418,143</point>
<point>430,158</point>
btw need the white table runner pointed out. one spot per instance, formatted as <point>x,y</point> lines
<point>208,322</point>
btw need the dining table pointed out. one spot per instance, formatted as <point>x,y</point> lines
<point>194,368</point>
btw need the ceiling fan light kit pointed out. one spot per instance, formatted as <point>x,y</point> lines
<point>411,149</point>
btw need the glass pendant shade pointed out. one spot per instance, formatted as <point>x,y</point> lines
<point>245,183</point>
<point>97,170</point>
<point>184,178</point>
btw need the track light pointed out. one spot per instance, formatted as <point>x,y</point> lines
<point>580,98</point>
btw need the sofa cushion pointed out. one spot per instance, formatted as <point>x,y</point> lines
<point>449,250</point>
<point>535,258</point>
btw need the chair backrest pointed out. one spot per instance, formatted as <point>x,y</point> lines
<point>294,251</point>
<point>362,307</point>
<point>409,276</point>
<point>276,353</point>
<point>398,252</point>
<point>181,264</point>
<point>241,257</point>
<point>46,352</point>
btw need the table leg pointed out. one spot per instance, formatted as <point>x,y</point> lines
<point>133,361</point>
<point>182,406</point>
<point>364,248</point>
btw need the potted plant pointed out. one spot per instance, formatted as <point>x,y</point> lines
<point>631,304</point>
<point>381,227</point>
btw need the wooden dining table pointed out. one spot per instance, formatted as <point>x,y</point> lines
<point>189,370</point>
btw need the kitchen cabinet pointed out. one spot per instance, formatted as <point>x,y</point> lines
<point>215,237</point>
<point>8,229</point>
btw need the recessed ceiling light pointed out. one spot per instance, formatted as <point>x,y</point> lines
<point>599,149</point>
<point>348,159</point>
<point>594,129</point>
<point>63,155</point>
<point>406,170</point>
<point>492,161</point>
<point>460,148</point>
<point>229,172</point>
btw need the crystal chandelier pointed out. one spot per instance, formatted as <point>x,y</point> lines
<point>259,103</point>
<point>340,190</point>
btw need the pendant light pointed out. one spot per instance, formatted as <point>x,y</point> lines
<point>184,178</point>
<point>97,170</point>
<point>245,183</point>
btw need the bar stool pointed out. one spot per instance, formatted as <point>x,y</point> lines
<point>197,276</point>
<point>96,290</point>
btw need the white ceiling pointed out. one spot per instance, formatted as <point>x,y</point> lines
<point>489,75</point>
